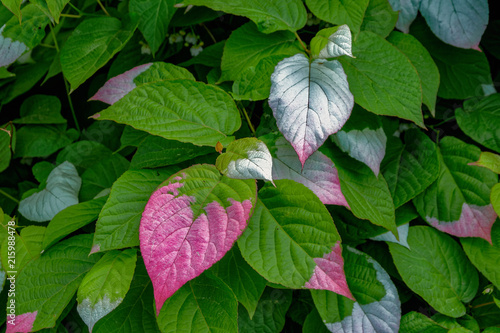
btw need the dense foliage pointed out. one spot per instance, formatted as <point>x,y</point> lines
<point>249,166</point>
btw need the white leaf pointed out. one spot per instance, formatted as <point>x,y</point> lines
<point>63,185</point>
<point>310,101</point>
<point>319,174</point>
<point>367,146</point>
<point>10,50</point>
<point>340,43</point>
<point>247,158</point>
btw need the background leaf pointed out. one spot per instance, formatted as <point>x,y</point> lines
<point>95,41</point>
<point>118,223</point>
<point>270,16</point>
<point>408,11</point>
<point>63,185</point>
<point>437,269</point>
<point>204,304</point>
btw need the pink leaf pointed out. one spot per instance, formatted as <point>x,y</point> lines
<point>474,221</point>
<point>117,87</point>
<point>319,173</point>
<point>329,273</point>
<point>21,323</point>
<point>178,247</point>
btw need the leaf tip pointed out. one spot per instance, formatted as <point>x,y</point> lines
<point>95,248</point>
<point>21,323</point>
<point>95,116</point>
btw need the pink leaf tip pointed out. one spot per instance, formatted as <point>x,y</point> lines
<point>20,323</point>
<point>329,273</point>
<point>95,116</point>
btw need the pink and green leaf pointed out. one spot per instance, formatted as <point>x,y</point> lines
<point>190,223</point>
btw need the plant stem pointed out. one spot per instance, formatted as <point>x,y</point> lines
<point>71,104</point>
<point>9,196</point>
<point>54,38</point>
<point>103,8</point>
<point>301,42</point>
<point>209,33</point>
<point>248,120</point>
<point>47,45</point>
<point>70,15</point>
<point>481,305</point>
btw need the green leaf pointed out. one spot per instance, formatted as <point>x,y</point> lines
<point>105,286</point>
<point>154,17</point>
<point>407,10</point>
<point>183,110</point>
<point>485,256</point>
<point>41,109</point>
<point>489,161</point>
<point>458,22</point>
<point>270,314</point>
<point>436,269</point>
<point>485,311</point>
<point>84,154</point>
<point>14,6</point>
<point>458,202</point>
<point>28,245</point>
<point>71,219</point>
<point>55,7</point>
<point>270,15</point>
<point>350,12</point>
<point>425,66</point>
<point>291,239</point>
<point>211,56</point>
<point>382,79</point>
<point>377,307</point>
<point>466,324</point>
<point>367,195</point>
<point>463,72</point>
<point>155,151</point>
<point>16,38</point>
<point>247,158</point>
<point>27,77</point>
<point>314,324</point>
<point>379,18</point>
<point>411,167</point>
<point>61,192</point>
<point>495,198</point>
<point>205,304</point>
<point>47,285</point>
<point>136,312</point>
<point>42,140</point>
<point>416,322</point>
<point>102,175</point>
<point>91,45</point>
<point>254,82</point>
<point>246,284</point>
<point>5,153</point>
<point>118,223</point>
<point>480,119</point>
<point>246,47</point>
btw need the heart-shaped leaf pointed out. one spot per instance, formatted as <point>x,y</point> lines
<point>422,270</point>
<point>310,101</point>
<point>105,286</point>
<point>318,174</point>
<point>114,89</point>
<point>291,240</point>
<point>332,42</point>
<point>190,223</point>
<point>377,309</point>
<point>460,23</point>
<point>247,158</point>
<point>458,202</point>
<point>63,185</point>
